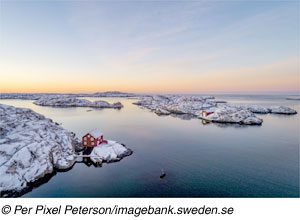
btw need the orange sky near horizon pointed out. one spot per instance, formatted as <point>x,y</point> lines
<point>266,78</point>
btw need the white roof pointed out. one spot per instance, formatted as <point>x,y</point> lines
<point>208,111</point>
<point>96,133</point>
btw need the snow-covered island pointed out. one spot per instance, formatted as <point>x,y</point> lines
<point>111,151</point>
<point>112,94</point>
<point>32,146</point>
<point>25,96</point>
<point>66,101</point>
<point>208,109</point>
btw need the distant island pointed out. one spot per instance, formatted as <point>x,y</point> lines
<point>36,96</point>
<point>207,109</point>
<point>67,101</point>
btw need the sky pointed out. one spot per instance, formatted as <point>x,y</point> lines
<point>149,46</point>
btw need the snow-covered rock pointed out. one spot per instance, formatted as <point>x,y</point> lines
<point>282,110</point>
<point>110,152</point>
<point>160,111</point>
<point>114,94</point>
<point>264,110</point>
<point>175,104</point>
<point>255,108</point>
<point>252,121</point>
<point>194,105</point>
<point>228,114</point>
<point>25,96</point>
<point>31,146</point>
<point>66,101</point>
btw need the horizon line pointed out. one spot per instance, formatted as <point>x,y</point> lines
<point>171,93</point>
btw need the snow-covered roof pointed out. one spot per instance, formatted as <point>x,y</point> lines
<point>208,111</point>
<point>96,133</point>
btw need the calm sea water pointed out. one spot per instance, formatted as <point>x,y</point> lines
<point>199,160</point>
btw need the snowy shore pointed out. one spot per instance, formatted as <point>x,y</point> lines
<point>219,111</point>
<point>65,101</point>
<point>32,146</point>
<point>110,152</point>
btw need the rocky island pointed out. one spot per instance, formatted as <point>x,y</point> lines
<point>218,111</point>
<point>24,96</point>
<point>111,151</point>
<point>32,146</point>
<point>66,101</point>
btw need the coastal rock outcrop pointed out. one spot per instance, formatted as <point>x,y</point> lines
<point>282,110</point>
<point>167,104</point>
<point>264,110</point>
<point>31,146</point>
<point>233,115</point>
<point>24,96</point>
<point>66,101</point>
<point>253,108</point>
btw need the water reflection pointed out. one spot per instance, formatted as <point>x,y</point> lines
<point>85,158</point>
<point>183,116</point>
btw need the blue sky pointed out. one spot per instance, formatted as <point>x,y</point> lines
<point>150,46</point>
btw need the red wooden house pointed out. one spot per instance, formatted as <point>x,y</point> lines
<point>93,139</point>
<point>206,113</point>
